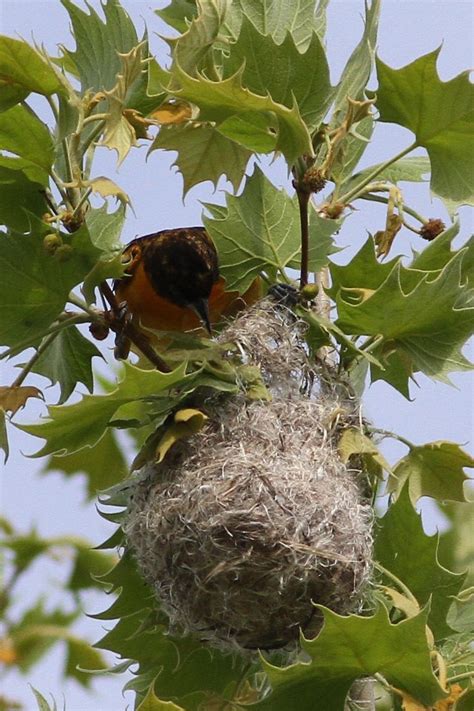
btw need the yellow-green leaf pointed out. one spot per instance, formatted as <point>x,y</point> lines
<point>186,423</point>
<point>435,469</point>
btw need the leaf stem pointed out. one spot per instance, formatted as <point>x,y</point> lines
<point>354,193</point>
<point>406,208</point>
<point>55,328</point>
<point>27,368</point>
<point>393,435</point>
<point>396,580</point>
<point>81,202</point>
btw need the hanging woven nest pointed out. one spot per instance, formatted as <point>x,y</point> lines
<point>251,521</point>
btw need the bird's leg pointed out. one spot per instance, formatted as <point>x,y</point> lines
<point>120,321</point>
<point>122,342</point>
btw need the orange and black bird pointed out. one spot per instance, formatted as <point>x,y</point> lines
<point>172,281</point>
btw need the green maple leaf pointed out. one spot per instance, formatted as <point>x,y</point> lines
<point>413,169</point>
<point>260,230</point>
<point>98,43</point>
<point>23,70</point>
<point>20,198</point>
<point>68,361</point>
<point>423,317</point>
<point>349,648</point>
<point>364,271</point>
<point>435,469</point>
<point>180,666</point>
<point>438,252</point>
<point>439,114</point>
<point>24,135</point>
<point>200,150</point>
<point>417,565</point>
<point>220,100</point>
<point>277,18</point>
<point>356,73</point>
<point>103,464</point>
<point>73,427</point>
<point>283,71</point>
<point>35,285</point>
<point>178,13</point>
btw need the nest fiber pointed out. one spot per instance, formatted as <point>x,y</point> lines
<point>252,520</point>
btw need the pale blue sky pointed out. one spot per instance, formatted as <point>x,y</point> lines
<point>408,28</point>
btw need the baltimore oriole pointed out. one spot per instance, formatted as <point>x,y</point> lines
<point>172,281</point>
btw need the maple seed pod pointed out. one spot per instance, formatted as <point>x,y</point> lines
<point>64,253</point>
<point>99,331</point>
<point>334,211</point>
<point>313,180</point>
<point>51,243</point>
<point>431,229</point>
<point>249,522</point>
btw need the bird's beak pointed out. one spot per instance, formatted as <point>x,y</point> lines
<point>201,308</point>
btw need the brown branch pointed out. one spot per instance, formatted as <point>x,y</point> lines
<point>303,200</point>
<point>123,327</point>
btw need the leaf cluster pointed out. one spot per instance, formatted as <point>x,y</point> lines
<point>27,636</point>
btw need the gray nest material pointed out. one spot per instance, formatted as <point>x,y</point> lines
<point>249,522</point>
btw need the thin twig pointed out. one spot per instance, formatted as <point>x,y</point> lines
<point>55,328</point>
<point>352,194</point>
<point>27,368</point>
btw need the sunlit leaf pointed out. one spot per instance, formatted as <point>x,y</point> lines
<point>218,100</point>
<point>107,188</point>
<point>152,703</point>
<point>413,169</point>
<point>200,150</point>
<point>418,567</point>
<point>98,43</point>
<point>119,133</point>
<point>353,441</point>
<point>282,71</point>
<point>439,114</point>
<point>435,469</point>
<point>4,435</point>
<point>278,18</point>
<point>23,70</point>
<point>172,112</point>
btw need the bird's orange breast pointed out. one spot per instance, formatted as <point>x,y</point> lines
<point>158,313</point>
